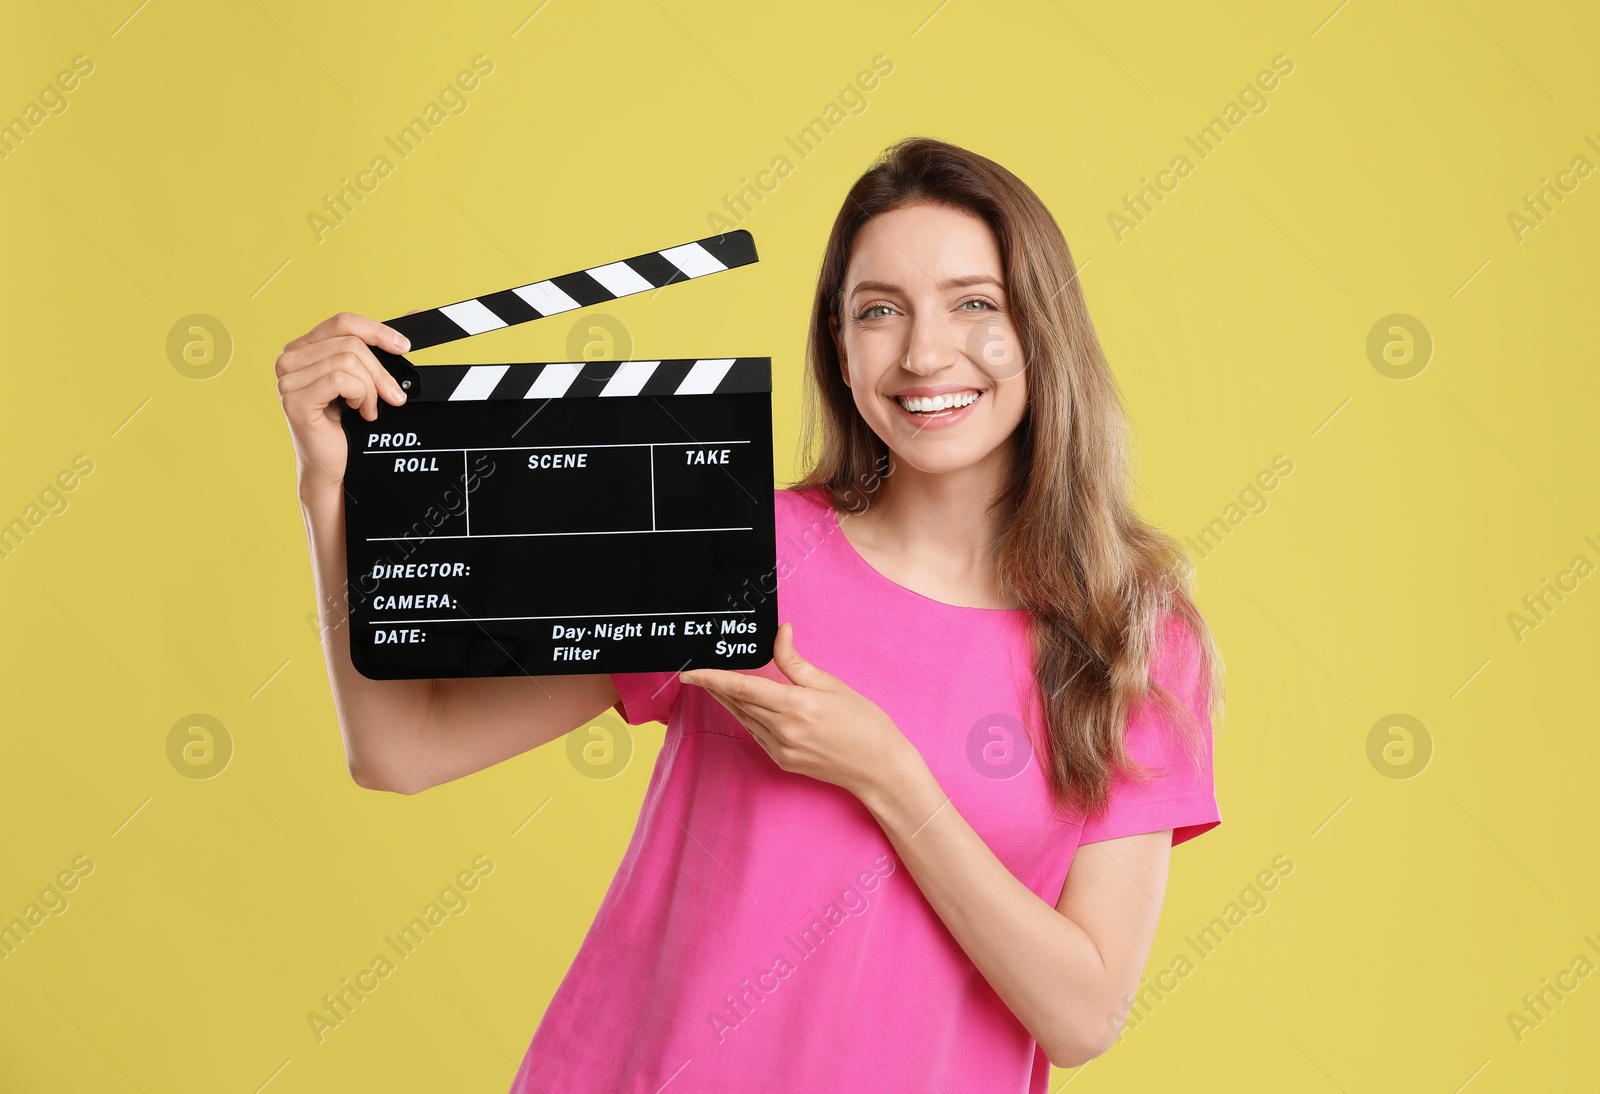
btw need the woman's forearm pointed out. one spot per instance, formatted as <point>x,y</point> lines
<point>408,735</point>
<point>380,720</point>
<point>1042,965</point>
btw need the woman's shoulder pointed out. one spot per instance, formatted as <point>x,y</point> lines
<point>801,503</point>
<point>804,520</point>
<point>799,494</point>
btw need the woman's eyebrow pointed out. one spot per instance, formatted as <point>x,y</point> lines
<point>952,283</point>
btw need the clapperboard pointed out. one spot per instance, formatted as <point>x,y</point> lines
<point>564,517</point>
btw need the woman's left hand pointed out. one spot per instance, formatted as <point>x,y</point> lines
<point>815,725</point>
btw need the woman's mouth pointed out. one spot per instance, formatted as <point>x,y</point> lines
<point>943,409</point>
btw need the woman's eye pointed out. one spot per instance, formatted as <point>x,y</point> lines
<point>977,300</point>
<point>867,313</point>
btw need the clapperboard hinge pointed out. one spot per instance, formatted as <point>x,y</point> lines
<point>568,292</point>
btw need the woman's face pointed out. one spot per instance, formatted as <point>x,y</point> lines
<point>926,340</point>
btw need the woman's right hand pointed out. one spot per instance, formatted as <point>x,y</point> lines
<point>330,362</point>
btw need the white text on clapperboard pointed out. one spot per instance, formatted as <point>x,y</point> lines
<point>728,632</point>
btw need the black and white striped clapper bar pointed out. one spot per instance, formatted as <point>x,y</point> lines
<point>564,517</point>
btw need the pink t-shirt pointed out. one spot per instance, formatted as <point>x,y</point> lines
<point>761,934</point>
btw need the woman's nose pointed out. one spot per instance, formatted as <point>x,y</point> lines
<point>933,345</point>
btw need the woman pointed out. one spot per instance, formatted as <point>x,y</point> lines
<point>930,851</point>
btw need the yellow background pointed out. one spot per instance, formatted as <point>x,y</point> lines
<point>1377,581</point>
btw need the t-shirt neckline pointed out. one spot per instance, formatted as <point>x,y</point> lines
<point>860,560</point>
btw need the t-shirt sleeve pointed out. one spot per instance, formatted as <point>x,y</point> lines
<point>1180,794</point>
<point>646,696</point>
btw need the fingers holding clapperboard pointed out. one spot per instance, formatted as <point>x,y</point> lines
<point>332,362</point>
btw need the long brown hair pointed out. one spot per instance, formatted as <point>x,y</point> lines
<point>1104,590</point>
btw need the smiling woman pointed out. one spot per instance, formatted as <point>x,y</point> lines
<point>997,582</point>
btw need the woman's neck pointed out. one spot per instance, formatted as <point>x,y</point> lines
<point>935,533</point>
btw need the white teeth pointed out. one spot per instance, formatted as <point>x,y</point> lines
<point>932,404</point>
